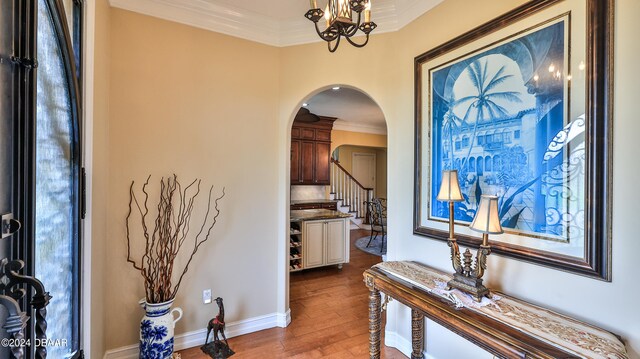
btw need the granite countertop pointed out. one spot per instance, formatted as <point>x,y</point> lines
<point>316,214</point>
<point>307,201</point>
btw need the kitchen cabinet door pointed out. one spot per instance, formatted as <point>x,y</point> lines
<point>323,151</point>
<point>313,244</point>
<point>307,155</point>
<point>295,162</point>
<point>336,247</point>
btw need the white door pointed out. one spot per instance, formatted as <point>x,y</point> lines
<point>313,244</point>
<point>335,241</point>
<point>363,167</point>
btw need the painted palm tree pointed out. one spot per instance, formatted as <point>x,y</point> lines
<point>486,94</point>
<point>449,128</point>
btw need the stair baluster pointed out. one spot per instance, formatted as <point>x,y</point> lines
<point>347,189</point>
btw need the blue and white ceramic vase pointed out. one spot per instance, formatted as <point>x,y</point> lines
<point>156,329</point>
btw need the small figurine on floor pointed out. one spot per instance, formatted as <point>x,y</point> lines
<point>217,349</point>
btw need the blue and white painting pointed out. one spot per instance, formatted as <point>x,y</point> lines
<point>500,118</point>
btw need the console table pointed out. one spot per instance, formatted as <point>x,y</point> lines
<point>505,326</point>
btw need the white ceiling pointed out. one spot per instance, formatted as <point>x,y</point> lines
<point>272,22</point>
<point>355,111</point>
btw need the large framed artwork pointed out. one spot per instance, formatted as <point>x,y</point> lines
<point>521,107</point>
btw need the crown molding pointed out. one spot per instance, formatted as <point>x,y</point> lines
<point>356,126</point>
<point>206,15</point>
<point>256,27</point>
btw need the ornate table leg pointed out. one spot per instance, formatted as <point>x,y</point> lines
<point>375,320</point>
<point>417,334</point>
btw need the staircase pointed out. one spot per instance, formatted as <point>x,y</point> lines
<point>350,194</point>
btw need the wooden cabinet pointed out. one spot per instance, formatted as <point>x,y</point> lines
<point>325,242</point>
<point>335,242</point>
<point>295,161</point>
<point>310,152</point>
<point>322,160</point>
<point>313,244</point>
<point>307,159</point>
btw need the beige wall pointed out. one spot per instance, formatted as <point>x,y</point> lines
<point>99,175</point>
<point>181,97</point>
<point>339,138</point>
<point>345,156</point>
<point>198,104</point>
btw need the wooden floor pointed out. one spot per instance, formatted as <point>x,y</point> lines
<point>329,310</point>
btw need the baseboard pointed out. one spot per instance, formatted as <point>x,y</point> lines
<point>197,337</point>
<point>393,340</point>
<point>284,319</point>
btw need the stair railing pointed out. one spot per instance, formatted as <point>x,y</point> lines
<point>346,188</point>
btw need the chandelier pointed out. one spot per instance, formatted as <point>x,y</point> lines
<point>339,15</point>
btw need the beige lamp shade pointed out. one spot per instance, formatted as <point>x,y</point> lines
<point>450,187</point>
<point>487,219</point>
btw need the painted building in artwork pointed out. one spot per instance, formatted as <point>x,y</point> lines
<point>479,154</point>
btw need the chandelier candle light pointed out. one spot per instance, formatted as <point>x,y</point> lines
<point>467,276</point>
<point>339,21</point>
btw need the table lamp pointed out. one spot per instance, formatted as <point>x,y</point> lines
<point>450,192</point>
<point>486,221</point>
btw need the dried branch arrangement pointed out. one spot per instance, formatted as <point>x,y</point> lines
<point>170,232</point>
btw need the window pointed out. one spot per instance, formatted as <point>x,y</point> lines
<point>458,145</point>
<point>480,140</point>
<point>516,134</point>
<point>507,137</point>
<point>488,138</point>
<point>465,141</point>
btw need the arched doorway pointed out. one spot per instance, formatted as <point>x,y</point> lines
<point>357,123</point>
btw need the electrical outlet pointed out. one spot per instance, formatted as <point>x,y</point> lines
<point>206,296</point>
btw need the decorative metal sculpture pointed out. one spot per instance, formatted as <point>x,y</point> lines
<point>10,285</point>
<point>14,325</point>
<point>217,349</point>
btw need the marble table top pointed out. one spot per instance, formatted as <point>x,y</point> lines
<point>582,339</point>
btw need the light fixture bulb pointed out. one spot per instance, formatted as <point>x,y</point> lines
<point>305,104</point>
<point>552,68</point>
<point>367,12</point>
<point>327,15</point>
<point>336,88</point>
<point>536,77</point>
